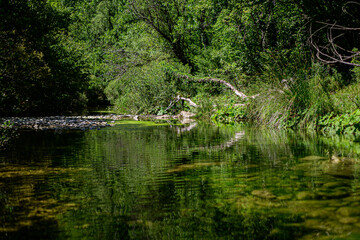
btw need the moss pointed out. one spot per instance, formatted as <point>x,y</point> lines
<point>146,123</point>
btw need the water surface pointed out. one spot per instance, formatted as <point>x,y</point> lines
<point>199,181</point>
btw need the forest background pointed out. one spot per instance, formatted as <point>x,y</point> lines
<point>298,59</point>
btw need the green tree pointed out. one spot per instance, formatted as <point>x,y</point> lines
<point>185,25</point>
<point>38,75</point>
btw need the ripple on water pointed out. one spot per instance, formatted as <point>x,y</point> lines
<point>156,182</point>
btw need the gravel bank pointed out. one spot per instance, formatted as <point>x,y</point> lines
<point>56,122</point>
<point>83,122</point>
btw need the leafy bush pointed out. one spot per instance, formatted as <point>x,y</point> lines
<point>347,99</point>
<point>146,89</point>
<point>7,133</point>
<point>341,124</point>
<point>39,75</point>
<point>229,114</point>
<point>356,71</point>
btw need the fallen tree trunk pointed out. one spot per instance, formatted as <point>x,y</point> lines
<point>237,92</point>
<point>178,98</point>
<point>242,95</point>
<point>191,103</point>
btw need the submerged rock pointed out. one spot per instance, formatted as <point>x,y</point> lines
<point>352,199</point>
<point>333,194</point>
<point>285,197</point>
<point>349,220</point>
<point>334,184</point>
<point>305,195</point>
<point>321,213</point>
<point>342,160</point>
<point>330,226</point>
<point>348,211</point>
<point>185,167</point>
<point>303,166</point>
<point>318,224</point>
<point>275,233</point>
<point>338,169</point>
<point>263,194</point>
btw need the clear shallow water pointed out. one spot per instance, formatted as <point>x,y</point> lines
<point>179,182</point>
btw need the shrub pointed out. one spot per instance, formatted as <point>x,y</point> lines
<point>341,124</point>
<point>347,99</point>
<point>228,114</point>
<point>7,133</point>
<point>145,89</point>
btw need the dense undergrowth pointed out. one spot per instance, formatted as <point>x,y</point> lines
<point>318,102</point>
<point>7,134</point>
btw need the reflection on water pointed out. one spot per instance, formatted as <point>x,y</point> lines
<point>179,182</point>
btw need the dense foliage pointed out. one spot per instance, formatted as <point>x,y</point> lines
<point>299,56</point>
<point>39,75</point>
<point>7,134</point>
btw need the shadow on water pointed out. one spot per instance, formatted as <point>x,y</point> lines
<point>179,182</point>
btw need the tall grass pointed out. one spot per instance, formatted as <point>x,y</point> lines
<point>300,100</point>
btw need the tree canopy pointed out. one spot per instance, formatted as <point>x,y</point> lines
<point>38,74</point>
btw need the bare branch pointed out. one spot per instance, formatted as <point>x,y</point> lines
<point>339,27</point>
<point>333,52</point>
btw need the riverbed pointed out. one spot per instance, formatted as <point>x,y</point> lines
<point>169,181</point>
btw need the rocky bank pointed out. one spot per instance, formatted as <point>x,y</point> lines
<point>85,122</point>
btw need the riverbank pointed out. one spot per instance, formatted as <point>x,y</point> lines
<point>55,122</point>
<point>85,122</point>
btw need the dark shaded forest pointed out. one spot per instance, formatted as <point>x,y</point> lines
<point>298,59</point>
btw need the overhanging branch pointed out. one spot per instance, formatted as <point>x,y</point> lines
<point>336,48</point>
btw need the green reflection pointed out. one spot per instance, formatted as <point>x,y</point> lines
<point>179,182</point>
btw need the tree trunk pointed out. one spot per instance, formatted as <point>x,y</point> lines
<point>237,92</point>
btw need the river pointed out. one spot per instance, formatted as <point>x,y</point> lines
<point>198,181</point>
